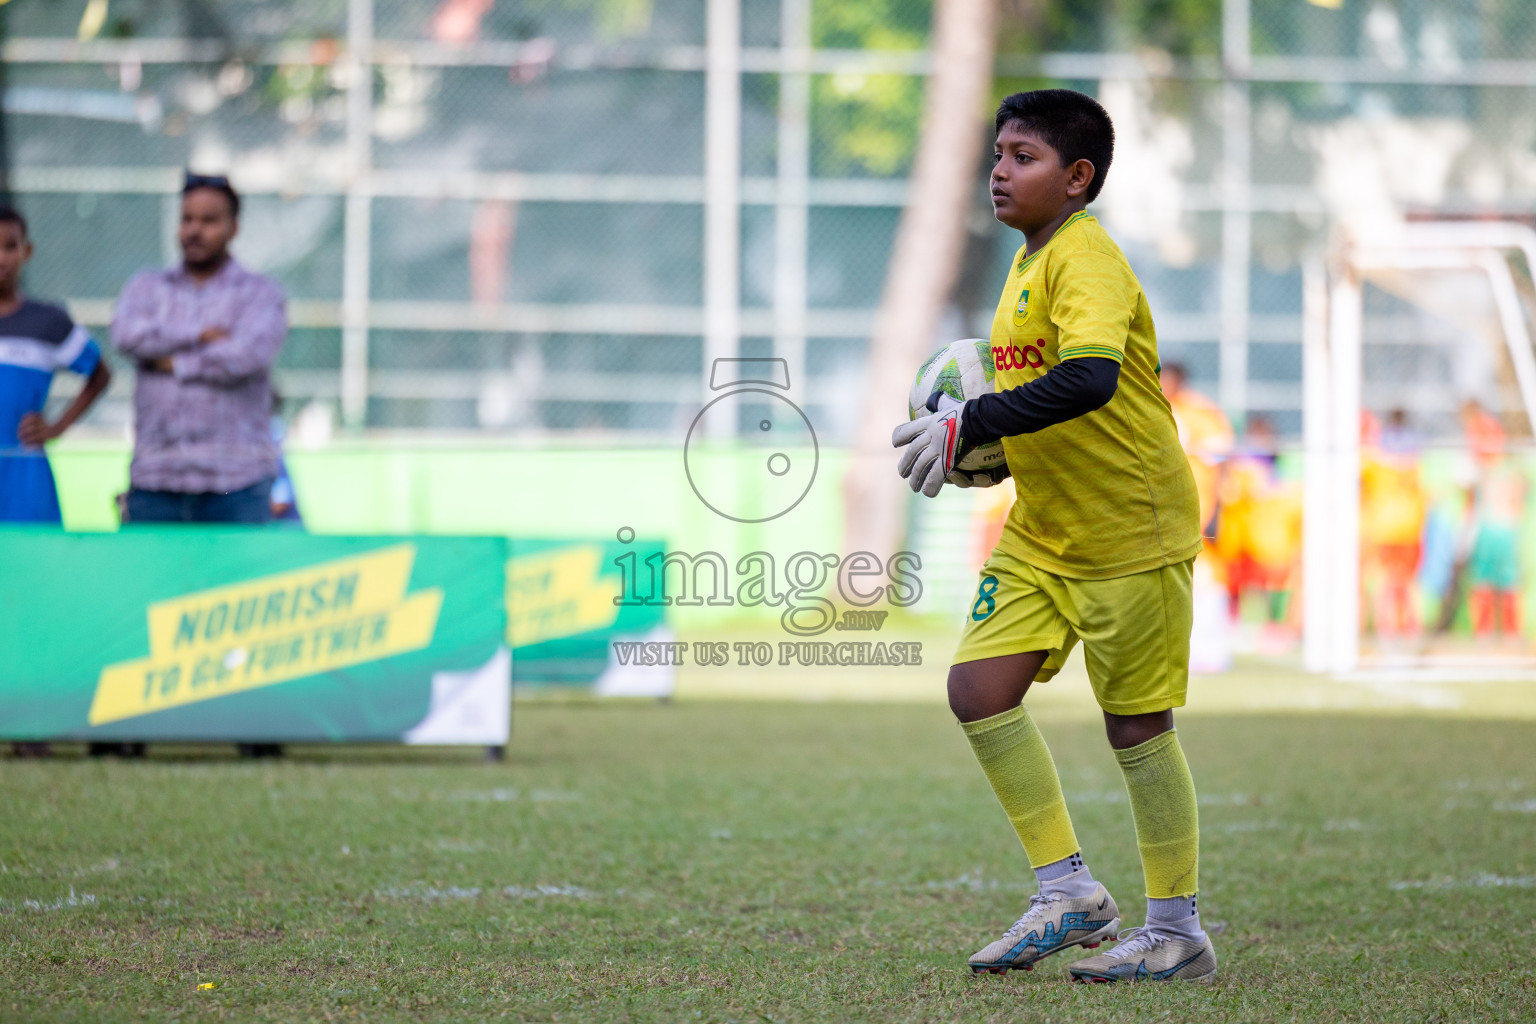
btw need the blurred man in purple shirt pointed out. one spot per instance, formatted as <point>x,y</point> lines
<point>204,335</point>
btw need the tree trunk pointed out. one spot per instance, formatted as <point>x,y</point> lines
<point>923,267</point>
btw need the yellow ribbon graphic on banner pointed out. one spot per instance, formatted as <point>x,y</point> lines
<point>559,593</point>
<point>255,633</point>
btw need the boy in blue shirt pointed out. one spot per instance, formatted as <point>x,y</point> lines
<point>36,340</point>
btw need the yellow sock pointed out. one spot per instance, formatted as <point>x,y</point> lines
<point>1167,823</point>
<point>1018,764</point>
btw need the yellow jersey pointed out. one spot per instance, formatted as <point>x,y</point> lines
<point>1109,493</point>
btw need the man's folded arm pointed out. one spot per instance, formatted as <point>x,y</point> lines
<point>250,347</point>
<point>136,324</point>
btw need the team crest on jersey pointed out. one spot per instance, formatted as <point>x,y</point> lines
<point>1021,309</point>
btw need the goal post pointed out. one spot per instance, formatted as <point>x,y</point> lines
<point>1333,383</point>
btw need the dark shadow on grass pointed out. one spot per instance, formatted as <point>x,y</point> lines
<point>362,755</point>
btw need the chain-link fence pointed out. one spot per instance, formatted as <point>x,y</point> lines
<point>491,215</point>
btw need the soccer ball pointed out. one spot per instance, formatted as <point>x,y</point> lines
<point>962,370</point>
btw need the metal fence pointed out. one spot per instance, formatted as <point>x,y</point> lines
<point>547,216</point>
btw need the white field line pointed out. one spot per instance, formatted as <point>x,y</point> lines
<point>1229,800</point>
<point>432,894</point>
<point>1117,796</point>
<point>1479,881</point>
<point>45,906</point>
<point>1232,828</point>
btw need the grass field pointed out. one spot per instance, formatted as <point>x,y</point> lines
<point>758,861</point>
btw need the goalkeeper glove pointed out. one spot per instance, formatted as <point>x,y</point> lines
<point>979,477</point>
<point>931,445</point>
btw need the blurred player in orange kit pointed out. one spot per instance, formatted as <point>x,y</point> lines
<point>1393,507</point>
<point>989,518</point>
<point>1485,434</point>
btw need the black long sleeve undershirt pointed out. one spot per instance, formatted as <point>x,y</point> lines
<point>1068,390</point>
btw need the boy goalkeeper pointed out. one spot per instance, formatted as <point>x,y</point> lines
<point>1099,546</point>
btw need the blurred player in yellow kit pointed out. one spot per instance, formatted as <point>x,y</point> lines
<point>1393,507</point>
<point>1098,546</point>
<point>1259,534</point>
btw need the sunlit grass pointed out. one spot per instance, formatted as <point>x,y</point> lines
<point>749,861</point>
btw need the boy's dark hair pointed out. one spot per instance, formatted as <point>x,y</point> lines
<point>11,215</point>
<point>1072,124</point>
<point>217,182</point>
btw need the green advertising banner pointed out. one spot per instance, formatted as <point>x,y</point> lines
<point>209,633</point>
<point>565,609</point>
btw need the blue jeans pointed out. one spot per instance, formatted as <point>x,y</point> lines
<point>251,504</point>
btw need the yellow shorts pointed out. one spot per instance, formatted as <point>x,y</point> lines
<point>1135,629</point>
